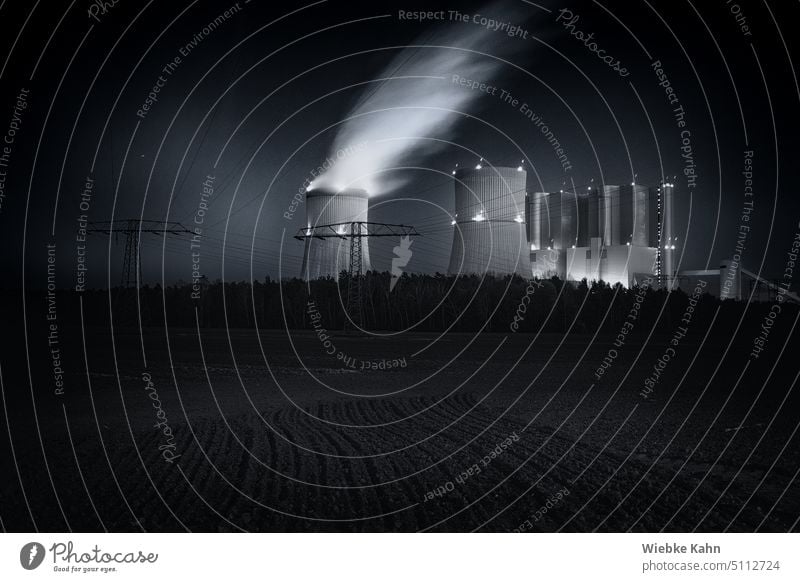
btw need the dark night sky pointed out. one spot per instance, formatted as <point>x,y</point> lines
<point>87,88</point>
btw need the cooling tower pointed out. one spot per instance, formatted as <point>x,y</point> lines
<point>327,257</point>
<point>489,234</point>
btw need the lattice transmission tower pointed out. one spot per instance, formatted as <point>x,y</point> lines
<point>355,232</point>
<point>132,229</point>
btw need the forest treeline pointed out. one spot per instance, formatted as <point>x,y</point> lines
<point>427,302</point>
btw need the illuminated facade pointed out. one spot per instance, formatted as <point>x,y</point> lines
<point>489,232</point>
<point>330,256</point>
<point>617,234</point>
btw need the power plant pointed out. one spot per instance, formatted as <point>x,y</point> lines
<point>616,233</point>
<point>620,234</point>
<point>489,219</point>
<point>329,256</point>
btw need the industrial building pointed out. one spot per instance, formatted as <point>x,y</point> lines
<point>617,234</point>
<point>732,281</point>
<point>489,234</point>
<point>327,257</point>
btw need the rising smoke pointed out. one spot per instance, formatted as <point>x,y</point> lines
<point>419,99</point>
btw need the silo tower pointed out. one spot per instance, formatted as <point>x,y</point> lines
<point>668,240</point>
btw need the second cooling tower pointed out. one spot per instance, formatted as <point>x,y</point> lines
<point>327,257</point>
<point>489,235</point>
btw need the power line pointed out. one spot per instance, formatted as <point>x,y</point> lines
<point>133,228</point>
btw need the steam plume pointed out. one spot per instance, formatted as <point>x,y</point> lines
<point>392,117</point>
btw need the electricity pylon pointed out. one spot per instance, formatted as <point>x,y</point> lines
<point>355,231</point>
<point>133,228</point>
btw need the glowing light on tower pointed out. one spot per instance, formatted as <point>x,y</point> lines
<point>495,239</point>
<point>329,257</point>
